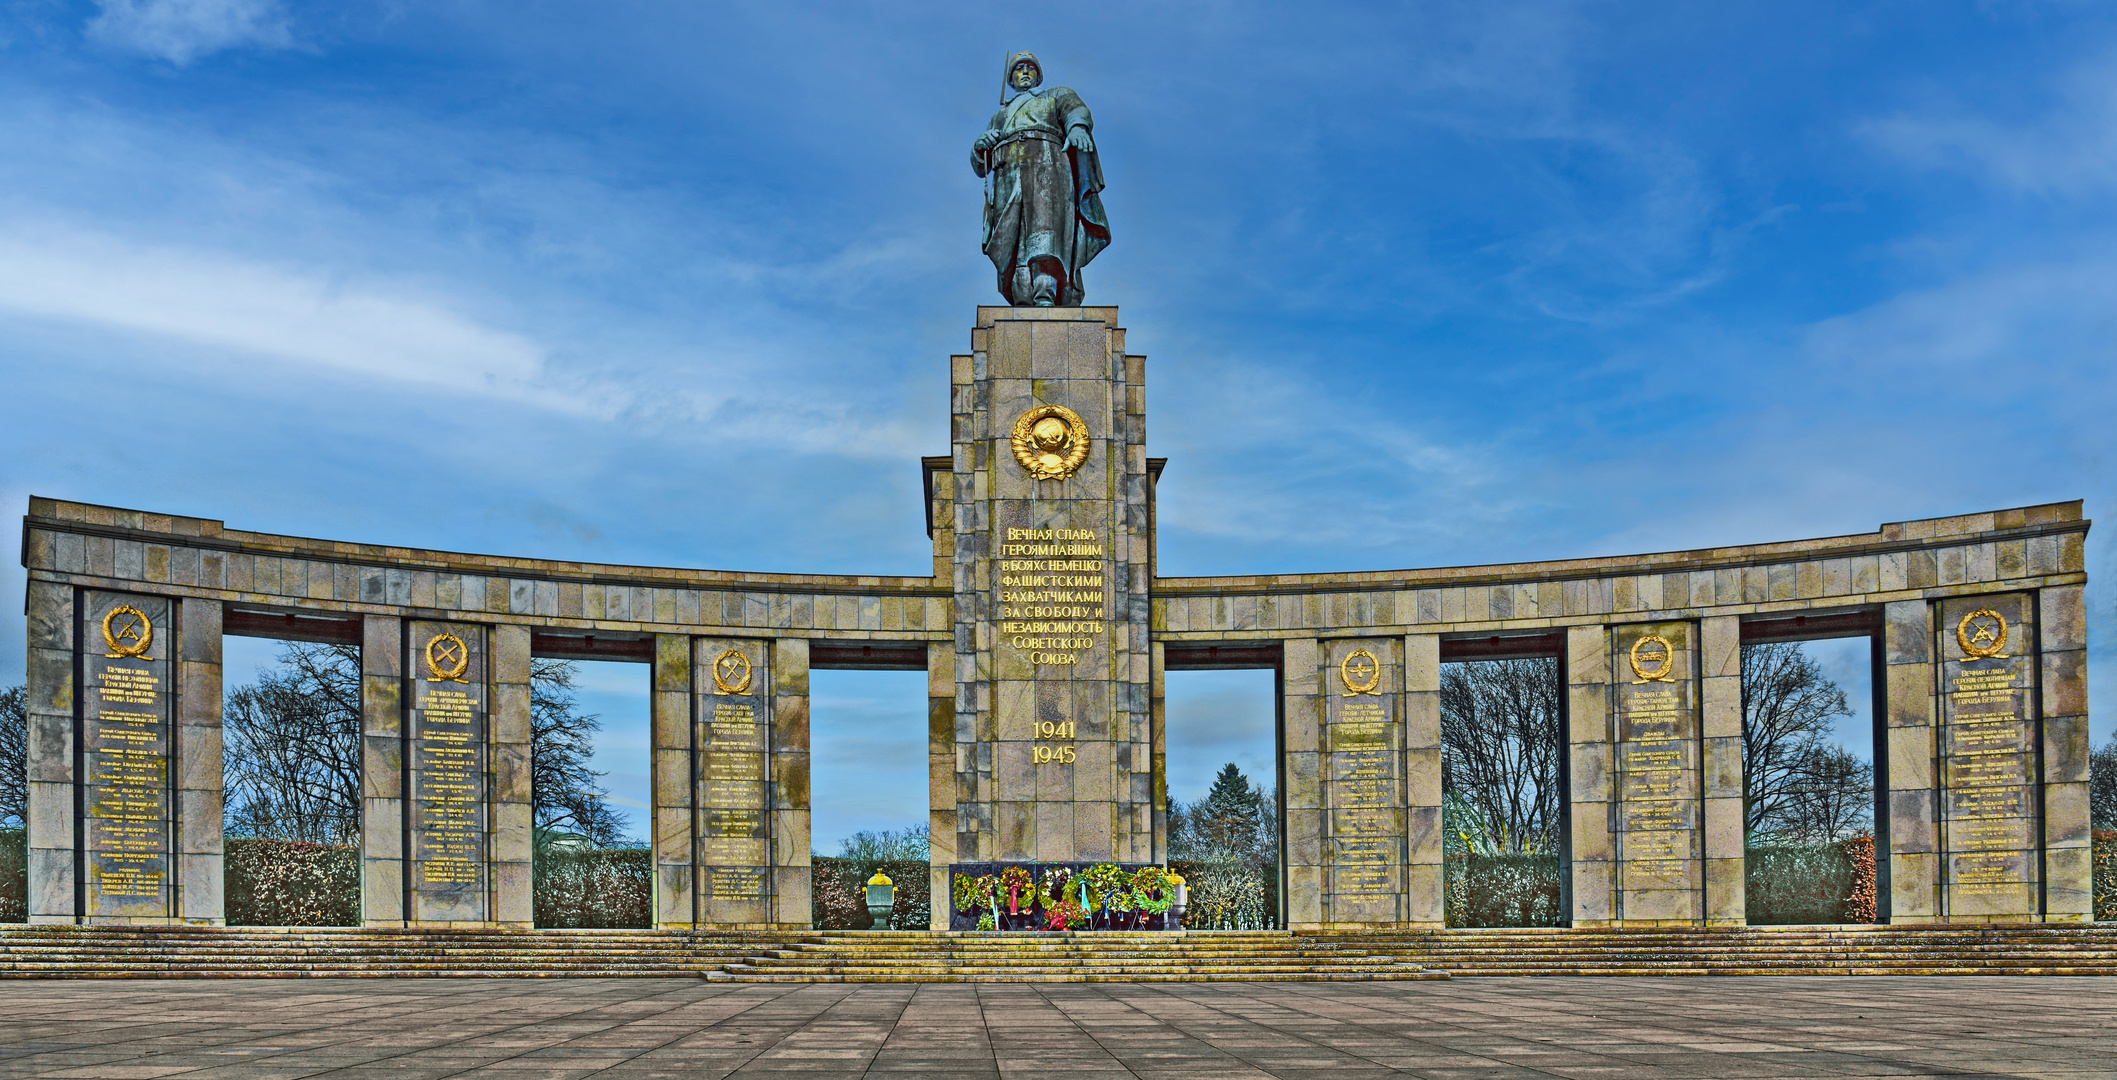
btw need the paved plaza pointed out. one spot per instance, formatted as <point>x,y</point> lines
<point>419,1029</point>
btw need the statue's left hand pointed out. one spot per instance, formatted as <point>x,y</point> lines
<point>1079,139</point>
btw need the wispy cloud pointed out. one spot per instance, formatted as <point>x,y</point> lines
<point>257,314</point>
<point>2068,147</point>
<point>181,31</point>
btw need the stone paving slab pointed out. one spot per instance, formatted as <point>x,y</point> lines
<point>1577,1028</point>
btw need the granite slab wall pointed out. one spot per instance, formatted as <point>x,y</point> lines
<point>1053,718</point>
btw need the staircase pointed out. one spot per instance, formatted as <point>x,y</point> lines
<point>292,952</point>
<point>1222,956</point>
<point>914,956</point>
<point>2023,949</point>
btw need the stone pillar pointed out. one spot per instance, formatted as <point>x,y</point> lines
<point>943,769</point>
<point>793,879</point>
<point>382,820</point>
<point>1991,827</point>
<point>1658,819</point>
<point>1302,792</point>
<point>200,775</point>
<point>1425,885</point>
<point>675,767</point>
<point>1363,783</point>
<point>513,828</point>
<point>1720,719</point>
<point>448,729</point>
<point>128,655</point>
<point>732,684</point>
<point>2068,869</point>
<point>1053,668</point>
<point>1913,829</point>
<point>1590,779</point>
<point>54,833</point>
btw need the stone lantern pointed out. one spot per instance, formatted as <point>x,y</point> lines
<point>881,897</point>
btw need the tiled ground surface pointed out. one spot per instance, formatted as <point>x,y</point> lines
<point>1752,1028</point>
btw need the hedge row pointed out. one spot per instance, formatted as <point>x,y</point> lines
<point>1811,883</point>
<point>289,883</point>
<point>597,888</point>
<point>1503,890</point>
<point>838,894</point>
<point>2106,874</point>
<point>1229,894</point>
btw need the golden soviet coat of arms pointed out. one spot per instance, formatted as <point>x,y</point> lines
<point>1051,442</point>
<point>1983,635</point>
<point>1653,659</point>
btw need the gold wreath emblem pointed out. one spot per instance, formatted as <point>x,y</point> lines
<point>1051,442</point>
<point>1983,635</point>
<point>1361,673</point>
<point>731,672</point>
<point>1649,650</point>
<point>127,631</point>
<point>447,658</point>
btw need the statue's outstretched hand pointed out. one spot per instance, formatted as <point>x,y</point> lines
<point>1079,139</point>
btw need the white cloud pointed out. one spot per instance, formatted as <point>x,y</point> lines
<point>2071,148</point>
<point>181,31</point>
<point>263,312</point>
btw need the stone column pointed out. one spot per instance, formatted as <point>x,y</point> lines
<point>732,684</point>
<point>54,830</point>
<point>1991,827</point>
<point>1590,779</point>
<point>513,828</point>
<point>675,768</point>
<point>1658,819</point>
<point>448,728</point>
<point>1302,793</point>
<point>1913,829</point>
<point>200,775</point>
<point>2067,855</point>
<point>128,656</point>
<point>943,768</point>
<point>382,820</point>
<point>1425,885</point>
<point>1720,718</point>
<point>1363,783</point>
<point>792,876</point>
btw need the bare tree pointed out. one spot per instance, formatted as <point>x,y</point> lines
<point>14,755</point>
<point>294,755</point>
<point>292,762</point>
<point>564,793</point>
<point>1788,706</point>
<point>909,844</point>
<point>1235,820</point>
<point>1501,749</point>
<point>2102,785</point>
<point>1833,798</point>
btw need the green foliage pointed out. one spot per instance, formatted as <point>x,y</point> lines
<point>1811,883</point>
<point>1230,894</point>
<point>590,887</point>
<point>291,883</point>
<point>2106,874</point>
<point>14,874</point>
<point>838,893</point>
<point>1491,888</point>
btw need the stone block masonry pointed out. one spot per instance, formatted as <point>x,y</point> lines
<point>1045,636</point>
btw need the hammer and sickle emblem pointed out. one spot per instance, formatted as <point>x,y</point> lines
<point>1653,660</point>
<point>1361,673</point>
<point>127,631</point>
<point>447,658</point>
<point>731,672</point>
<point>1983,635</point>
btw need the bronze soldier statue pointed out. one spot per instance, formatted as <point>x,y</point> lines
<point>1043,211</point>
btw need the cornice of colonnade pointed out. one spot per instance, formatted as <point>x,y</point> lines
<point>118,523</point>
<point>2034,547</point>
<point>267,577</point>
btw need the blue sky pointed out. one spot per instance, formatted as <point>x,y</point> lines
<point>1420,284</point>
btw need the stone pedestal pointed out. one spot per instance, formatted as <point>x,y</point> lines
<point>1052,668</point>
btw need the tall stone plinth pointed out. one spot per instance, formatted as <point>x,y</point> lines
<point>1052,669</point>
